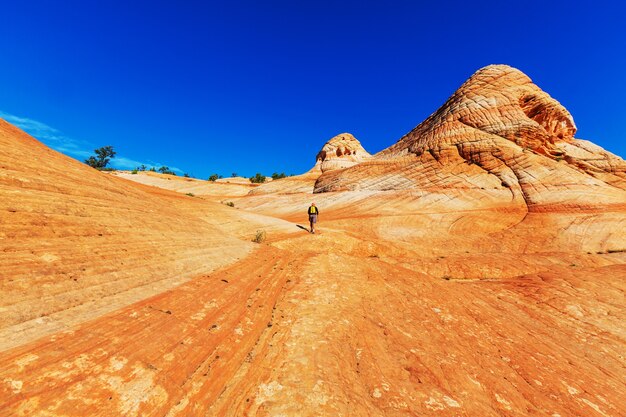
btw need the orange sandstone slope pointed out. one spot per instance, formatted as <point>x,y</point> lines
<point>433,290</point>
<point>498,131</point>
<point>76,243</point>
<point>227,187</point>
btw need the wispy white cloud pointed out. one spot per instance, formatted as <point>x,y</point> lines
<point>121,162</point>
<point>50,136</point>
<point>126,163</point>
<point>158,164</point>
<point>29,124</point>
<point>79,149</point>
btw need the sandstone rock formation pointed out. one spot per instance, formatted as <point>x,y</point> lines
<point>475,268</point>
<point>303,183</point>
<point>235,180</point>
<point>76,243</point>
<point>498,131</point>
<point>342,151</point>
<point>219,188</point>
<point>497,100</point>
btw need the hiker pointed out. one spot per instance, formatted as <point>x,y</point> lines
<point>313,212</point>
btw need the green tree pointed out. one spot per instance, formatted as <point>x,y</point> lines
<point>258,178</point>
<point>102,158</point>
<point>213,177</point>
<point>277,176</point>
<point>166,170</point>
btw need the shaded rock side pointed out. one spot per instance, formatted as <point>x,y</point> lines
<point>497,131</point>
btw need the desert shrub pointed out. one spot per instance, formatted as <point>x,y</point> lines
<point>213,177</point>
<point>191,194</point>
<point>234,174</point>
<point>230,204</point>
<point>259,237</point>
<point>186,175</point>
<point>134,171</point>
<point>258,178</point>
<point>277,176</point>
<point>166,170</point>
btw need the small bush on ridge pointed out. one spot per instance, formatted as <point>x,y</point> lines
<point>259,237</point>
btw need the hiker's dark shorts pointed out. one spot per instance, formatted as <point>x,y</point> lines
<point>312,218</point>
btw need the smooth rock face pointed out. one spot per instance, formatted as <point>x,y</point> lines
<point>303,183</point>
<point>224,187</point>
<point>430,287</point>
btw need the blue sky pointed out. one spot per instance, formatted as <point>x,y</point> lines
<point>244,86</point>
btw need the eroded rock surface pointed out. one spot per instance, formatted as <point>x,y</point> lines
<point>76,243</point>
<point>342,151</point>
<point>498,131</point>
<point>225,187</point>
<point>475,268</point>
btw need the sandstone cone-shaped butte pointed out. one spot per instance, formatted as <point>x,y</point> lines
<point>498,131</point>
<point>342,151</point>
<point>498,100</point>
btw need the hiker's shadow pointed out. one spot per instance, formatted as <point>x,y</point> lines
<point>303,228</point>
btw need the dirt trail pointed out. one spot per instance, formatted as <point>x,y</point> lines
<point>359,336</point>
